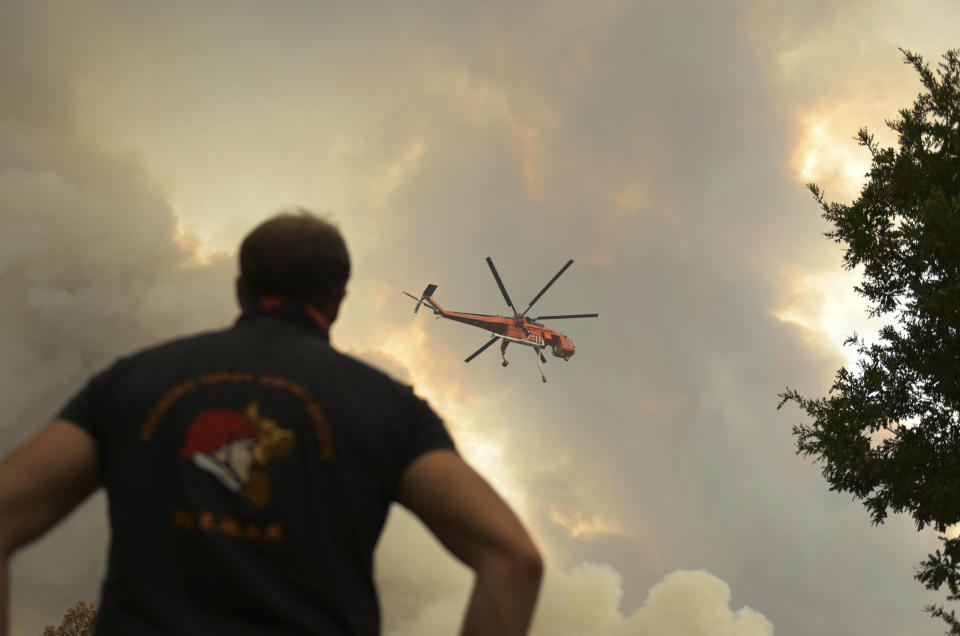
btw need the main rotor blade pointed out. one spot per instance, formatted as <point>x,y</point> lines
<point>481,349</point>
<point>547,286</point>
<point>566,316</point>
<point>503,289</point>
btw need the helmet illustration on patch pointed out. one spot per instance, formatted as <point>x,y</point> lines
<point>236,447</point>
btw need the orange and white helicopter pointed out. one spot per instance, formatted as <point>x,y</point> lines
<point>518,328</point>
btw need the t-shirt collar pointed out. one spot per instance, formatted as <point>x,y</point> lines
<point>289,310</point>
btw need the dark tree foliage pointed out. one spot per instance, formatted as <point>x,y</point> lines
<point>888,432</point>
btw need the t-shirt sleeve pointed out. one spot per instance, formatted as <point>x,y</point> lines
<point>85,408</point>
<point>421,431</point>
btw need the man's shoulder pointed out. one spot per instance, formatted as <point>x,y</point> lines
<point>183,346</point>
<point>365,373</point>
<point>175,344</point>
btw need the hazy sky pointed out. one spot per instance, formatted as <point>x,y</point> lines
<point>662,145</point>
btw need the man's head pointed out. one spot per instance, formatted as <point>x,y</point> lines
<point>297,256</point>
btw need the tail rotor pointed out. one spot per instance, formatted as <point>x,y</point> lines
<point>424,296</point>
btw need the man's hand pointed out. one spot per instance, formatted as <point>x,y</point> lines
<point>478,527</point>
<point>39,484</point>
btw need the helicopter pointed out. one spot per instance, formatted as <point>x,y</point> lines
<point>517,328</point>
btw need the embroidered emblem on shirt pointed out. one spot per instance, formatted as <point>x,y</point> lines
<point>236,447</point>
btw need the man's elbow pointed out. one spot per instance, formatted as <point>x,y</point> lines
<point>6,548</point>
<point>530,563</point>
<point>518,563</point>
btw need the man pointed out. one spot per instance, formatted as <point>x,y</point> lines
<point>249,471</point>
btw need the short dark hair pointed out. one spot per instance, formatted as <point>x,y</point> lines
<point>296,255</point>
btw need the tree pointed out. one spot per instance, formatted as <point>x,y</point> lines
<point>888,432</point>
<point>78,621</point>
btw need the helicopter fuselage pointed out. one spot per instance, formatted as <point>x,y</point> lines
<point>520,330</point>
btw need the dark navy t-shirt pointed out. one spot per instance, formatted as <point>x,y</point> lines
<point>249,473</point>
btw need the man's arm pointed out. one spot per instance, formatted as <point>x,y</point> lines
<point>39,484</point>
<point>478,527</point>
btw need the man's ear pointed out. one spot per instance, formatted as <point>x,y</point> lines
<point>244,298</point>
<point>334,308</point>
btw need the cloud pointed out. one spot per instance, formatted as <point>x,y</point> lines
<point>396,172</point>
<point>827,310</point>
<point>685,603</point>
<point>827,155</point>
<point>385,362</point>
<point>424,593</point>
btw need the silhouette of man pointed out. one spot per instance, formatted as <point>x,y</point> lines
<point>249,471</point>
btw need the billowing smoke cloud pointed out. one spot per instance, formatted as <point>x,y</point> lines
<point>586,600</point>
<point>385,362</point>
<point>424,594</point>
